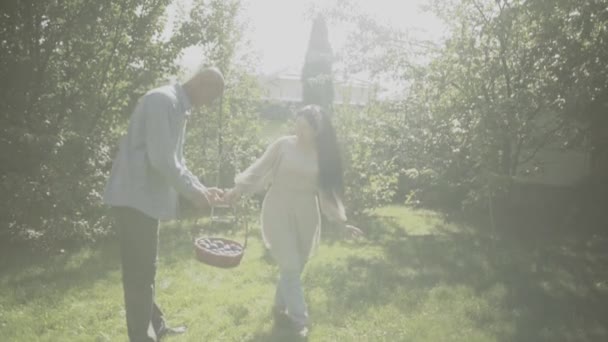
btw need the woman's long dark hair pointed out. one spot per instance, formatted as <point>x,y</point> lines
<point>331,177</point>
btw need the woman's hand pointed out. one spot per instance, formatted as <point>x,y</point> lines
<point>352,232</point>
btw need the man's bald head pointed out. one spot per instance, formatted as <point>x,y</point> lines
<point>204,87</point>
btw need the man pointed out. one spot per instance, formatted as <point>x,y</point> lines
<point>148,176</point>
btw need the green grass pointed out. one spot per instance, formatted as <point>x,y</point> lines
<point>415,278</point>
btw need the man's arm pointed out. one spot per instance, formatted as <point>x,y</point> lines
<point>162,146</point>
<point>196,179</point>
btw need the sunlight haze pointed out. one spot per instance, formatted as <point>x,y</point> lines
<point>278,30</point>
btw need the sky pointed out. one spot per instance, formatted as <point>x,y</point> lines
<point>279,29</point>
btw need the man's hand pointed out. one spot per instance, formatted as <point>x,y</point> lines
<point>231,196</point>
<point>214,196</point>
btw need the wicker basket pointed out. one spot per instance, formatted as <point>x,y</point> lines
<point>221,252</point>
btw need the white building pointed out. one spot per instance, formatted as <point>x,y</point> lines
<point>285,86</point>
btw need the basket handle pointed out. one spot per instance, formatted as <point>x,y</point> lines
<point>237,219</point>
<point>246,233</point>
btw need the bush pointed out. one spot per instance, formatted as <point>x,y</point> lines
<point>371,164</point>
<point>70,88</point>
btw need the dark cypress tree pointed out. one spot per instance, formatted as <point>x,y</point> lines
<point>317,81</point>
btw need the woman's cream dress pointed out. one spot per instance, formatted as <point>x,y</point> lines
<point>290,212</point>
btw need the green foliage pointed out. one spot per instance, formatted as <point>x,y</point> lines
<point>371,146</point>
<point>512,78</point>
<point>74,71</point>
<point>240,127</point>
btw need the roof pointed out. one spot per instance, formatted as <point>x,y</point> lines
<point>292,73</point>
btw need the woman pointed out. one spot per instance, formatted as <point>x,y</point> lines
<point>305,173</point>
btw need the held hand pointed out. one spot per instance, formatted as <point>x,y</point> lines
<point>214,196</point>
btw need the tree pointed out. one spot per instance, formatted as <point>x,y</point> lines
<point>73,72</point>
<point>512,78</point>
<point>317,80</point>
<point>572,37</point>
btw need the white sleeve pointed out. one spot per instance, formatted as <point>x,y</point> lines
<point>259,174</point>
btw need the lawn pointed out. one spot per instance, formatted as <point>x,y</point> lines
<point>415,277</point>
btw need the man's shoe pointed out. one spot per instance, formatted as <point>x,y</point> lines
<point>167,331</point>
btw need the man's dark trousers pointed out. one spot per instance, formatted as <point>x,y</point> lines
<point>139,249</point>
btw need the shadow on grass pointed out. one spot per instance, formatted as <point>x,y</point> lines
<point>80,266</point>
<point>34,274</point>
<point>556,287</point>
<point>275,334</point>
<point>556,282</point>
